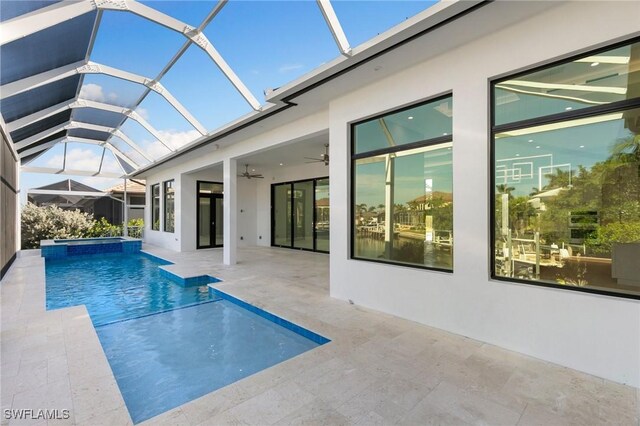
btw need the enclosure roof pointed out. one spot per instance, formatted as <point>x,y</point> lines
<point>66,82</point>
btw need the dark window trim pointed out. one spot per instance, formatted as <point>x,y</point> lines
<point>213,195</point>
<point>548,119</point>
<point>413,145</point>
<point>153,199</point>
<point>164,206</point>
<point>273,218</point>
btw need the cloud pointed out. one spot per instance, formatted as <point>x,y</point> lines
<point>143,112</point>
<point>85,160</point>
<point>290,67</point>
<point>95,92</point>
<point>173,138</point>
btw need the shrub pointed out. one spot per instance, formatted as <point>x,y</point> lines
<point>51,222</point>
<point>103,228</point>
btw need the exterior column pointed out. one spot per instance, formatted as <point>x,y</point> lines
<point>230,211</point>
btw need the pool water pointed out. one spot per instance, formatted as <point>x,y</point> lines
<point>116,286</point>
<point>168,344</point>
<point>165,360</point>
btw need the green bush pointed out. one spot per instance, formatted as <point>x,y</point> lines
<point>615,232</point>
<point>51,222</point>
<point>102,228</point>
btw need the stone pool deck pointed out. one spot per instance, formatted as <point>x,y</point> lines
<point>378,369</point>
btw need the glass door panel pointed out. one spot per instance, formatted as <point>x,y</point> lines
<point>303,214</point>
<point>322,214</point>
<point>282,215</point>
<point>204,222</point>
<point>218,219</point>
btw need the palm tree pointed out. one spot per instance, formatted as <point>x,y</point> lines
<point>559,179</point>
<point>627,150</point>
<point>504,189</point>
<point>534,191</point>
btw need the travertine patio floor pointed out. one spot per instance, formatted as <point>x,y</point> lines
<point>378,369</point>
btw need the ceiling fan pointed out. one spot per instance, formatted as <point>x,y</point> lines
<point>324,158</point>
<point>248,175</point>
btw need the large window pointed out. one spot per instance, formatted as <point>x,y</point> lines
<point>402,193</point>
<point>169,206</point>
<point>155,207</point>
<point>566,174</point>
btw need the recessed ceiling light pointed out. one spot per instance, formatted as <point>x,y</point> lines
<point>253,170</point>
<point>581,146</point>
<point>530,140</point>
<point>282,164</point>
<point>410,117</point>
<point>445,134</point>
<point>449,148</point>
<point>595,64</point>
<point>568,108</point>
<point>517,155</point>
<point>538,147</point>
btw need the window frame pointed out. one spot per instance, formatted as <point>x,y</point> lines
<point>164,205</point>
<point>353,157</point>
<point>153,199</point>
<point>588,112</point>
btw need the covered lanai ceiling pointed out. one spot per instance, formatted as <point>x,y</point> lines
<point>57,91</point>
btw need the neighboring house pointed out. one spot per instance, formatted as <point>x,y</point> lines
<point>135,199</point>
<point>72,195</point>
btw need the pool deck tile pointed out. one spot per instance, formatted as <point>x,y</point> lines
<point>377,369</point>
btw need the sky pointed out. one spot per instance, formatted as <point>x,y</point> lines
<point>267,43</point>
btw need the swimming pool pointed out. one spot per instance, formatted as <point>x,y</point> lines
<point>168,343</point>
<point>115,286</point>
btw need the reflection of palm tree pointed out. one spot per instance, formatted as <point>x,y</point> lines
<point>627,150</point>
<point>559,179</point>
<point>372,208</point>
<point>534,191</point>
<point>504,189</point>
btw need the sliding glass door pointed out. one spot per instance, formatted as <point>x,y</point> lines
<point>300,215</point>
<point>210,229</point>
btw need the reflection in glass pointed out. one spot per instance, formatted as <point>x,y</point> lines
<point>303,214</point>
<point>282,215</point>
<point>169,206</point>
<point>219,221</point>
<point>567,202</point>
<point>404,207</point>
<point>590,80</point>
<point>204,224</point>
<point>426,121</point>
<point>322,215</point>
<point>155,207</point>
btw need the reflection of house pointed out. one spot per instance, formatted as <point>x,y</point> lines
<point>413,213</point>
<point>322,210</point>
<point>72,195</point>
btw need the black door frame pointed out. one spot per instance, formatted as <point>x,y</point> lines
<point>212,212</point>
<point>292,225</point>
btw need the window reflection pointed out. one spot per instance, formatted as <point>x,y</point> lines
<point>591,80</point>
<point>155,207</point>
<point>169,206</point>
<point>403,200</point>
<point>567,202</point>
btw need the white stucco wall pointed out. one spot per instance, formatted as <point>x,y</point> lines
<point>592,333</point>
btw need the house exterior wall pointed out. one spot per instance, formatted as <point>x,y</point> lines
<point>592,333</point>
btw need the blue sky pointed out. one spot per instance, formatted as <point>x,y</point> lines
<point>267,43</point>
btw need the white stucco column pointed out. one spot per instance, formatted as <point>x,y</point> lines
<point>230,209</point>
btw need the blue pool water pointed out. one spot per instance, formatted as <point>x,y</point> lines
<point>167,343</point>
<point>116,286</point>
<point>162,361</point>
